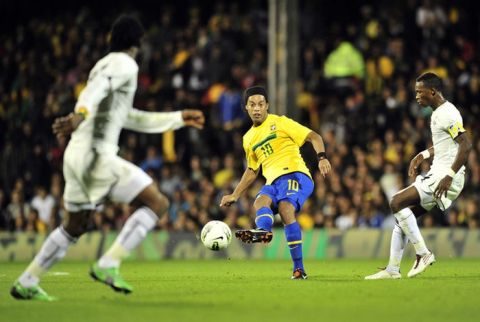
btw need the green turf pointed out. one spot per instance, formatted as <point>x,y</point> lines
<point>224,290</point>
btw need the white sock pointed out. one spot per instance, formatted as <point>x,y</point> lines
<point>407,221</point>
<point>53,249</point>
<point>397,246</point>
<point>132,234</point>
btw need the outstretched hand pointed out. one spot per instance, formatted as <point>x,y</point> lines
<point>228,200</point>
<point>324,167</point>
<point>194,118</point>
<point>66,125</point>
<point>442,188</point>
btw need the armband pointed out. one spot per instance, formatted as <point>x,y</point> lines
<point>82,111</point>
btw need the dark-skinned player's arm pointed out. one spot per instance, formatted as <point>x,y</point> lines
<point>98,87</point>
<point>317,142</point>
<point>418,159</point>
<point>66,125</point>
<point>247,179</point>
<point>160,122</point>
<point>464,148</point>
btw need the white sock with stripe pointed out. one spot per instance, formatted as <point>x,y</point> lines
<point>397,246</point>
<point>132,234</point>
<point>53,249</point>
<point>407,221</point>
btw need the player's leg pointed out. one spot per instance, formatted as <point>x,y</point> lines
<point>293,235</point>
<point>425,188</point>
<point>408,222</point>
<point>264,218</point>
<point>153,205</point>
<point>399,242</point>
<point>397,245</point>
<point>400,205</point>
<point>263,211</point>
<point>53,249</point>
<point>293,190</point>
<point>406,208</point>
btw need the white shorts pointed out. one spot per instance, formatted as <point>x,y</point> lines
<point>91,177</point>
<point>427,184</point>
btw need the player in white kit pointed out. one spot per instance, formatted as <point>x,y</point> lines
<point>93,172</point>
<point>438,188</point>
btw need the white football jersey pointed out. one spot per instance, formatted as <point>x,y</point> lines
<point>107,98</point>
<point>446,124</point>
<point>107,101</point>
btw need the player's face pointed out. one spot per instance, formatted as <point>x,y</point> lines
<point>257,108</point>
<point>423,95</point>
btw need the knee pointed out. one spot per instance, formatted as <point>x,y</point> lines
<point>287,212</point>
<point>260,203</point>
<point>76,227</point>
<point>75,231</point>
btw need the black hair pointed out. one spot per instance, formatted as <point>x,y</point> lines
<point>126,32</point>
<point>431,80</point>
<point>254,90</point>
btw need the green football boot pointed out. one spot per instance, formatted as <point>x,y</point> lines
<point>30,293</point>
<point>110,276</point>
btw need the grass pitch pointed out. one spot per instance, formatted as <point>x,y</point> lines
<point>228,290</point>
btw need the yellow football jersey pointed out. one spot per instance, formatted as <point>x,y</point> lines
<point>275,146</point>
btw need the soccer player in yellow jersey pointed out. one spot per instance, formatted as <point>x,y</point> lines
<point>273,143</point>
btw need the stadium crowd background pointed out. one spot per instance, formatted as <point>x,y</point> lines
<point>357,74</point>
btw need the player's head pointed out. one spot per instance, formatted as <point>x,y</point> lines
<point>428,89</point>
<point>256,103</point>
<point>127,32</point>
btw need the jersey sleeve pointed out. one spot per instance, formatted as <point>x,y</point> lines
<point>252,161</point>
<point>153,122</point>
<point>295,130</point>
<point>452,123</point>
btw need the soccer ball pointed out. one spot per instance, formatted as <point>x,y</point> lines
<point>216,235</point>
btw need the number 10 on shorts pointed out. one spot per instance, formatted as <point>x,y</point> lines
<point>292,185</point>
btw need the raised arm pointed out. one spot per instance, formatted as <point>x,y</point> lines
<point>159,122</point>
<point>247,179</point>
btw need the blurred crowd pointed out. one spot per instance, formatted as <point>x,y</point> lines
<point>355,87</point>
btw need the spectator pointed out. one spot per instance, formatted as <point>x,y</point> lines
<point>200,58</point>
<point>152,161</point>
<point>17,212</point>
<point>44,204</point>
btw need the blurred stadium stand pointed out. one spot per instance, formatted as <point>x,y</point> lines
<point>203,55</point>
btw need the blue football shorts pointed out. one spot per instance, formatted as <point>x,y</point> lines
<point>294,187</point>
